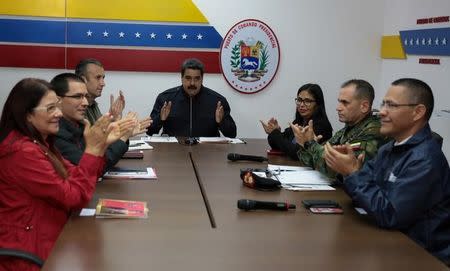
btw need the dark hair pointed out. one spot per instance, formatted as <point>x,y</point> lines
<point>81,68</point>
<point>364,90</point>
<point>21,101</point>
<point>419,92</point>
<point>194,64</point>
<point>60,83</point>
<point>319,115</point>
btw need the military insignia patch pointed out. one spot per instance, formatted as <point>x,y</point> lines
<point>249,56</point>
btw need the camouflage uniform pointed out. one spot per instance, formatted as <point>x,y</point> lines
<point>366,132</point>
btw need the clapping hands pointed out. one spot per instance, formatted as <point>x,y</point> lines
<point>270,126</point>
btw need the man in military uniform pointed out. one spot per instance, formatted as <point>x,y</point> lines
<point>362,129</point>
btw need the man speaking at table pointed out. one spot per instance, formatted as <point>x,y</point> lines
<point>192,110</point>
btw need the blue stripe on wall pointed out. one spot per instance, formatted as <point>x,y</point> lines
<point>434,41</point>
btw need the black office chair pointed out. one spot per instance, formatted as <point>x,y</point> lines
<point>22,254</point>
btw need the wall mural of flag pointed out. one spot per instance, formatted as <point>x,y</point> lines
<point>134,35</point>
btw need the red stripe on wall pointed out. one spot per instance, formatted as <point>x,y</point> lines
<point>32,56</point>
<point>142,60</point>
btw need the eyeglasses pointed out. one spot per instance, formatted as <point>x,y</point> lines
<point>51,108</point>
<point>306,102</point>
<point>78,96</point>
<point>392,106</point>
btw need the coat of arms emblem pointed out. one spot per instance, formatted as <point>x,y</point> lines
<point>249,56</point>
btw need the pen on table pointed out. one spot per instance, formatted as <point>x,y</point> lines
<point>305,184</point>
<point>127,172</point>
<point>300,186</point>
<point>297,186</point>
<point>278,170</point>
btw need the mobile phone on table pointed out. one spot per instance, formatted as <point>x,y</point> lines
<point>325,203</point>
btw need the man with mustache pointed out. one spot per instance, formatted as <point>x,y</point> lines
<point>192,110</point>
<point>362,128</point>
<point>406,186</point>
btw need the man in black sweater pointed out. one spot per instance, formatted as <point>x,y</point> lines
<point>191,109</point>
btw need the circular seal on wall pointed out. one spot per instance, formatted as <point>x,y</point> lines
<point>249,56</point>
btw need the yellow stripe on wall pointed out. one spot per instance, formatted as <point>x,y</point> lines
<point>391,47</point>
<point>44,8</point>
<point>142,10</point>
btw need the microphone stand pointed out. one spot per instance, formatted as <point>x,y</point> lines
<point>190,140</point>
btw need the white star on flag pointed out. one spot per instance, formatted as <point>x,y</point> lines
<point>169,36</point>
<point>444,41</point>
<point>199,36</point>
<point>184,36</point>
<point>121,35</point>
<point>406,42</point>
<point>152,35</point>
<point>105,34</point>
<point>429,41</point>
<point>89,33</point>
<point>138,35</point>
<point>417,41</point>
<point>423,41</point>
<point>411,41</point>
<point>436,41</point>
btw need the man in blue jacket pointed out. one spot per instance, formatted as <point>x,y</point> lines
<point>406,186</point>
<point>191,109</point>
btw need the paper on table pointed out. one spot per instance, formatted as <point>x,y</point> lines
<point>304,177</point>
<point>225,140</point>
<point>125,173</point>
<point>272,167</point>
<point>297,187</point>
<point>139,144</point>
<point>87,212</point>
<point>361,211</point>
<point>160,139</point>
<point>314,187</point>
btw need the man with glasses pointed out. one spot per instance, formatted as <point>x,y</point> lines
<point>361,127</point>
<point>192,110</point>
<point>74,101</point>
<point>406,186</point>
<point>93,73</point>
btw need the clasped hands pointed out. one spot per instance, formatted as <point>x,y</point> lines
<point>305,134</point>
<point>342,159</point>
<point>167,106</point>
<point>105,131</point>
<point>339,158</point>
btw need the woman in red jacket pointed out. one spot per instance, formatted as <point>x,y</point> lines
<point>38,188</point>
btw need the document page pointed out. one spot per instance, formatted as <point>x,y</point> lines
<point>160,139</point>
<point>139,144</point>
<point>225,140</point>
<point>299,178</point>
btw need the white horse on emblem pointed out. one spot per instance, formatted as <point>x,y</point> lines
<point>247,62</point>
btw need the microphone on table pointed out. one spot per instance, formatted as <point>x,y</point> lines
<point>248,204</point>
<point>242,157</point>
